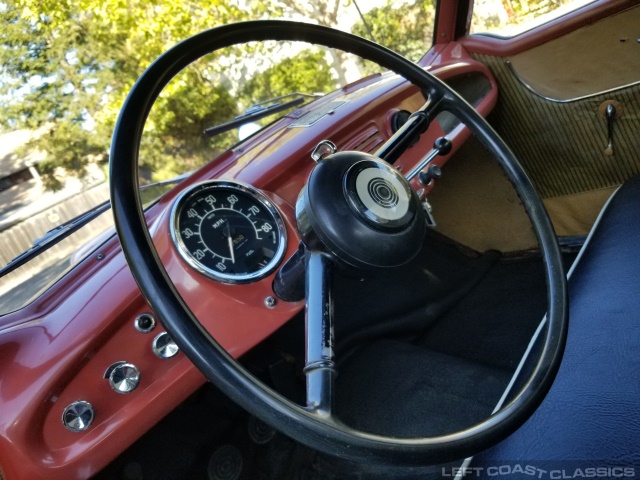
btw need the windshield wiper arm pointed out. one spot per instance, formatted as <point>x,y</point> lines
<point>258,111</point>
<point>62,231</point>
<point>53,237</point>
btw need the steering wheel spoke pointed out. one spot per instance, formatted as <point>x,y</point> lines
<point>319,359</point>
<point>408,133</point>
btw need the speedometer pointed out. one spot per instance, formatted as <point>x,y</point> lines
<point>228,231</point>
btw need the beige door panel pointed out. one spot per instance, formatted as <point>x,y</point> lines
<point>593,59</point>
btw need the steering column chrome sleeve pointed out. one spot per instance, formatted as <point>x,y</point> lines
<point>320,368</point>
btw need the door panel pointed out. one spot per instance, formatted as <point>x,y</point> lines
<point>562,144</point>
<point>593,59</point>
<point>550,110</point>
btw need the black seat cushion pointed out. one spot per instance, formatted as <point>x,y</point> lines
<point>591,416</point>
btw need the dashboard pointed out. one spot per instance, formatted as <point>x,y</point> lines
<point>86,369</point>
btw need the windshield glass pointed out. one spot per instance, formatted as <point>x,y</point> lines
<point>66,68</point>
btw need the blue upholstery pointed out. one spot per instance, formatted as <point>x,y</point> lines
<point>591,416</point>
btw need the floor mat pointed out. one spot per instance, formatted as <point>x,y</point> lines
<point>451,375</point>
<point>494,323</point>
<point>398,389</point>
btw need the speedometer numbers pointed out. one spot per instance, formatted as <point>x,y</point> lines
<point>228,231</point>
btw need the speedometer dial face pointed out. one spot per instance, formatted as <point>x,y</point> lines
<point>228,231</point>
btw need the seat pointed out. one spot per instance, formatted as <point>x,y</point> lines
<point>591,416</point>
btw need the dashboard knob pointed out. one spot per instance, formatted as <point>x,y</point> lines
<point>124,377</point>
<point>78,416</point>
<point>164,346</point>
<point>432,173</point>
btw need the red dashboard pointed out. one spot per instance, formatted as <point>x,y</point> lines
<point>56,351</point>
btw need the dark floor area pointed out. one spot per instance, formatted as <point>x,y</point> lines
<point>451,374</point>
<point>493,324</point>
<point>418,392</point>
<point>442,368</point>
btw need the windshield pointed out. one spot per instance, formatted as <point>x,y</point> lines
<point>66,68</point>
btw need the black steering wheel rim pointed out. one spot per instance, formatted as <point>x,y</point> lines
<point>216,364</point>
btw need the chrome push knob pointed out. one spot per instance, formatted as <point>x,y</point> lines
<point>164,346</point>
<point>78,416</point>
<point>123,377</point>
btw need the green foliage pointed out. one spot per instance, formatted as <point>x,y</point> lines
<point>73,150</point>
<point>173,142</point>
<point>407,30</point>
<point>511,17</point>
<point>308,72</point>
<point>534,7</point>
<point>68,65</point>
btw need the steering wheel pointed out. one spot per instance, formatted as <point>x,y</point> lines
<point>394,239</point>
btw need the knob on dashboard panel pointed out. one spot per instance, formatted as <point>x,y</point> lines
<point>78,416</point>
<point>123,377</point>
<point>164,346</point>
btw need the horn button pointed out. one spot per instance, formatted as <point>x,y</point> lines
<point>360,210</point>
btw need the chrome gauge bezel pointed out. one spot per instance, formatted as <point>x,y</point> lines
<point>258,196</point>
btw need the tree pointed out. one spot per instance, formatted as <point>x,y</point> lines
<point>407,30</point>
<point>307,70</point>
<point>68,65</point>
<point>510,17</point>
<point>324,12</point>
